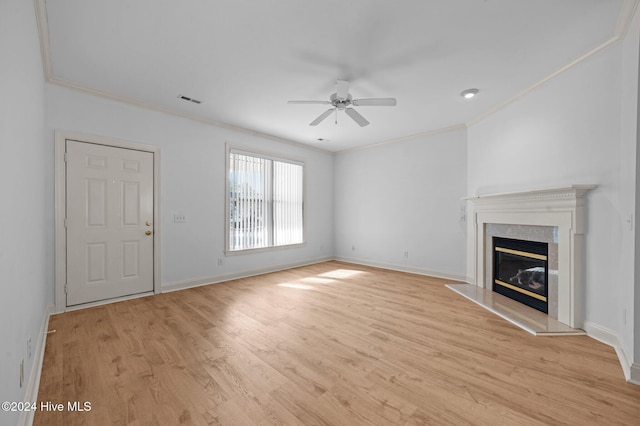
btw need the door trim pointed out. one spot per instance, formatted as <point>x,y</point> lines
<point>61,136</point>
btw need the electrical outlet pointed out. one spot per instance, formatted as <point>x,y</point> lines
<point>463,213</point>
<point>29,347</point>
<point>353,248</point>
<point>220,261</point>
<point>405,255</point>
<point>21,372</point>
<point>179,218</point>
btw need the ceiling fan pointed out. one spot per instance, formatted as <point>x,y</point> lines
<point>342,101</point>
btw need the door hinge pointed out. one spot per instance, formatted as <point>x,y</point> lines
<point>66,289</point>
<point>65,157</point>
<point>66,222</point>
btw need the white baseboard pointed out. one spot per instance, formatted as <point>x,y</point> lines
<point>181,285</point>
<point>602,334</point>
<point>404,268</point>
<point>33,385</point>
<point>635,374</point>
<point>609,337</point>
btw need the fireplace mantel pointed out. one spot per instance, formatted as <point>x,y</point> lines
<point>562,207</point>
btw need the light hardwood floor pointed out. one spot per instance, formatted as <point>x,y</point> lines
<point>327,344</point>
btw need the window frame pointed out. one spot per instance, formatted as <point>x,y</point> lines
<point>268,156</point>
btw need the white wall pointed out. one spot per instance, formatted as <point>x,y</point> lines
<point>26,215</point>
<point>636,318</point>
<point>628,187</point>
<point>570,131</point>
<point>193,183</point>
<point>404,196</point>
<point>388,199</point>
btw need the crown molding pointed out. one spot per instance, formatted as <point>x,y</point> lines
<point>43,32</point>
<point>440,131</point>
<point>154,107</point>
<point>625,18</point>
<point>628,10</point>
<point>480,117</point>
<point>45,50</point>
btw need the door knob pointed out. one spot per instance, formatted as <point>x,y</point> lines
<point>148,232</point>
<point>148,223</point>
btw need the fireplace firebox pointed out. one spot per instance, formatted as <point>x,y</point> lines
<point>520,271</point>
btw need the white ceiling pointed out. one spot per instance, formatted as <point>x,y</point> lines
<point>246,58</point>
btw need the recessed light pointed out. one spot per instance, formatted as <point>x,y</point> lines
<point>322,140</point>
<point>469,93</point>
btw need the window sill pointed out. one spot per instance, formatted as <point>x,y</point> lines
<point>263,249</point>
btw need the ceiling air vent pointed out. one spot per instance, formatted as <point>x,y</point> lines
<point>186,98</point>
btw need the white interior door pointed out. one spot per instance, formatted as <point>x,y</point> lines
<point>109,222</point>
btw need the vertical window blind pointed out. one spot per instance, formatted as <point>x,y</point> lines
<point>265,202</point>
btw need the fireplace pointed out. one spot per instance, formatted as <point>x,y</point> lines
<point>562,208</point>
<point>520,271</point>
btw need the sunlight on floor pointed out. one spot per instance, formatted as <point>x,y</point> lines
<point>294,285</point>
<point>317,280</point>
<point>341,273</point>
<point>331,277</point>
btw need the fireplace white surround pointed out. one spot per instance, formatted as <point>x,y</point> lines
<point>563,208</point>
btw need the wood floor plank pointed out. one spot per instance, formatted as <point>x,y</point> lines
<point>326,344</point>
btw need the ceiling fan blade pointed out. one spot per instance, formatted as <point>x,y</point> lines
<point>342,89</point>
<point>375,102</point>
<point>322,117</point>
<point>356,117</point>
<point>309,102</point>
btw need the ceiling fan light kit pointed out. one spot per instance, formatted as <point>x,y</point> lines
<point>342,101</point>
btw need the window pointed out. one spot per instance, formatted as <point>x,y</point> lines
<point>265,201</point>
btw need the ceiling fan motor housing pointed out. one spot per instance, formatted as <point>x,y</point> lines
<point>340,103</point>
<point>341,100</point>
